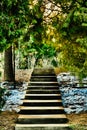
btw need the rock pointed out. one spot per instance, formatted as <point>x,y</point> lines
<point>78,110</point>
<point>74,99</point>
<point>68,110</point>
<point>14,100</point>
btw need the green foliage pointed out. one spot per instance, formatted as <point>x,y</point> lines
<point>45,50</point>
<point>82,42</point>
<point>74,34</point>
<point>76,21</point>
<point>37,50</point>
<point>77,127</point>
<point>54,63</point>
<point>34,31</point>
<point>74,55</point>
<point>13,17</point>
<point>20,17</point>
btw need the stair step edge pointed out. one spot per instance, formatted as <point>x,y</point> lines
<point>42,125</point>
<point>43,82</point>
<point>54,116</point>
<point>29,101</point>
<point>45,86</point>
<point>48,90</point>
<point>40,108</point>
<point>48,76</point>
<point>42,94</point>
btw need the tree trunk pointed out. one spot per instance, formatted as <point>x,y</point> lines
<point>8,66</point>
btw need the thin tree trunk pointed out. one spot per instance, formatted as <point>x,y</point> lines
<point>8,66</point>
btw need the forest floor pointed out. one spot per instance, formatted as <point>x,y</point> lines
<point>76,121</point>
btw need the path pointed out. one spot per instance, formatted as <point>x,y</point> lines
<point>42,107</point>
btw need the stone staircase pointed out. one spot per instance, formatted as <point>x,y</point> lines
<point>42,107</point>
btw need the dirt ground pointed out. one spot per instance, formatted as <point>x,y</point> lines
<point>76,121</point>
<point>7,120</point>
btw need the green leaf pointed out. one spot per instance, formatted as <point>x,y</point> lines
<point>84,24</point>
<point>34,21</point>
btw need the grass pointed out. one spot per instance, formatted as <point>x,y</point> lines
<point>78,127</point>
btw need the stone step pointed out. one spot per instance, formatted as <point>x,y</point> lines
<point>49,95</point>
<point>43,78</point>
<point>43,72</point>
<point>42,96</point>
<point>44,87</point>
<point>42,118</point>
<point>39,91</point>
<point>53,116</point>
<point>41,110</point>
<point>38,112</point>
<point>49,74</point>
<point>42,107</point>
<point>39,83</point>
<point>42,127</point>
<point>42,103</point>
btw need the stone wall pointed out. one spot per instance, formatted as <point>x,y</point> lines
<point>23,75</point>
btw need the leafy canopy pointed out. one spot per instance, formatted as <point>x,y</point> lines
<point>74,32</point>
<point>13,18</point>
